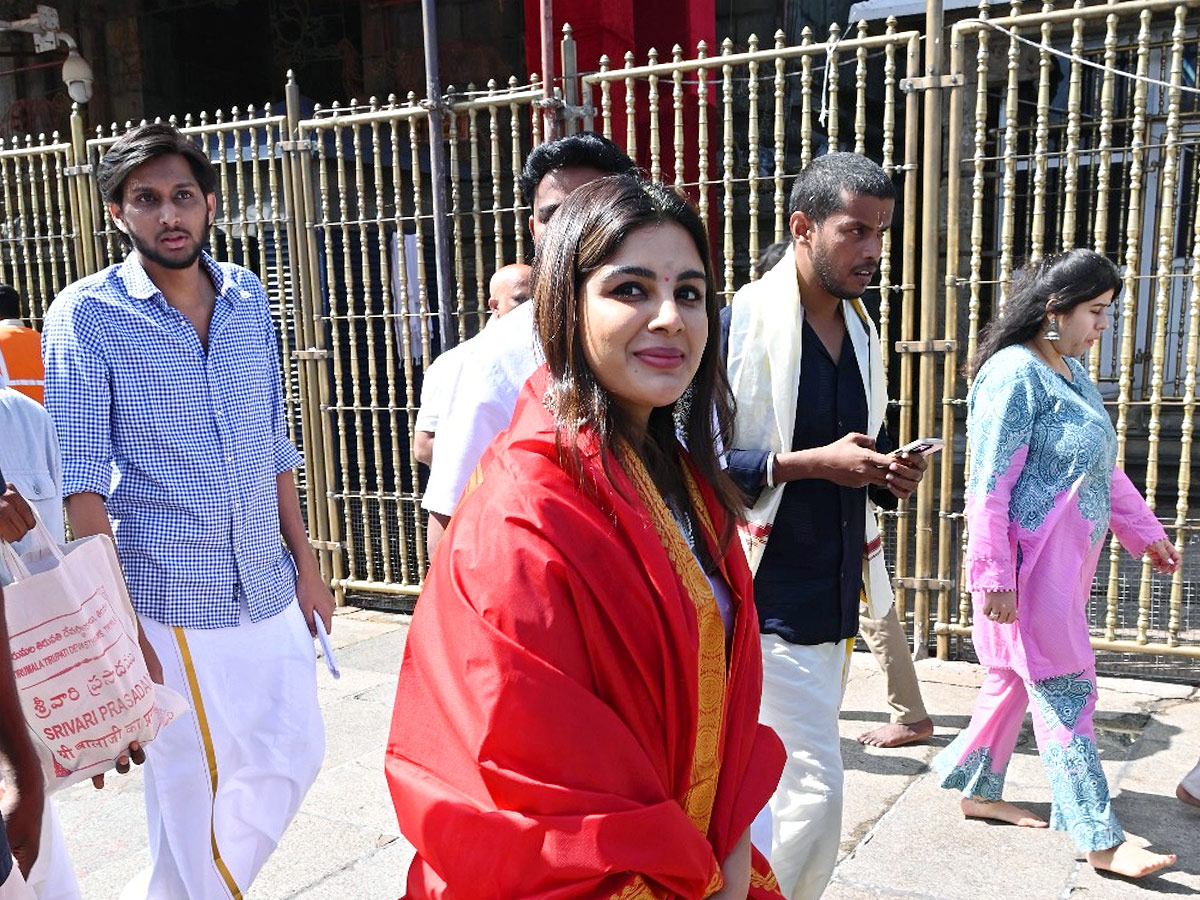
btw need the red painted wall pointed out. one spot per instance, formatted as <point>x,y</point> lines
<point>615,27</point>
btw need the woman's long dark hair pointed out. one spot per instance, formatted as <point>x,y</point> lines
<point>584,234</point>
<point>1057,284</point>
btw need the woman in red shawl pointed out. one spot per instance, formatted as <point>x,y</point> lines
<point>577,708</point>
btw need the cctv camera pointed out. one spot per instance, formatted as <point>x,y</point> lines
<point>77,75</point>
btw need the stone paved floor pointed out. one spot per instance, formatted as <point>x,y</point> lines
<point>902,836</point>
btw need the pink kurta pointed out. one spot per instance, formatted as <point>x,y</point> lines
<point>1042,493</point>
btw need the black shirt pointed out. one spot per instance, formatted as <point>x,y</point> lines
<point>808,584</point>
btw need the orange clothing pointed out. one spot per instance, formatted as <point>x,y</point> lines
<point>22,351</point>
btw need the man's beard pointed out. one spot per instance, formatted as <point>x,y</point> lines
<point>825,275</point>
<point>147,252</point>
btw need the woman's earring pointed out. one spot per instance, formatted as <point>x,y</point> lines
<point>1051,332</point>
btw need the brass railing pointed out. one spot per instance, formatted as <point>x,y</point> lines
<point>1042,151</point>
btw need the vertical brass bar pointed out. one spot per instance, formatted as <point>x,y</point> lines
<point>535,121</point>
<point>108,246</point>
<point>349,412</point>
<point>367,216</point>
<point>1133,227</point>
<point>497,198</point>
<point>327,390</point>
<point>1041,140</point>
<point>978,184</point>
<point>456,235</point>
<point>28,282</point>
<point>605,99</point>
<point>239,176</point>
<point>780,123</point>
<point>382,416</point>
<point>414,143</point>
<point>1104,151</point>
<point>677,105</point>
<point>225,212</point>
<point>288,299</point>
<point>860,93</point>
<point>477,206</point>
<point>908,300</point>
<point>1071,161</point>
<point>85,229</point>
<point>630,109</point>
<point>68,222</point>
<point>806,83</point>
<point>727,165</point>
<point>570,82</point>
<point>359,334</point>
<point>652,107</point>
<point>1187,428</point>
<point>406,357</point>
<point>9,259</point>
<point>931,211</point>
<point>702,134</point>
<point>38,217</point>
<point>889,166</point>
<point>832,82</point>
<point>299,217</point>
<point>752,152</point>
<point>518,160</point>
<point>1162,300</point>
<point>1008,214</point>
<point>954,132</point>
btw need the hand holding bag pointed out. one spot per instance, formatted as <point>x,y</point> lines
<point>83,683</point>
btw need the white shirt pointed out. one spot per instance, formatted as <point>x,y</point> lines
<point>507,353</point>
<point>29,456</point>
<point>440,384</point>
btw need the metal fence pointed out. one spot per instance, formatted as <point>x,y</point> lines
<point>1041,149</point>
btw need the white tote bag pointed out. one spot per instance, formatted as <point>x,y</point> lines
<point>83,683</point>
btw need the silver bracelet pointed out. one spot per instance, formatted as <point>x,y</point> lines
<point>771,470</point>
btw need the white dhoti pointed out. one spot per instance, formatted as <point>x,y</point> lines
<point>224,781</point>
<point>1191,781</point>
<point>14,886</point>
<point>801,699</point>
<point>53,876</point>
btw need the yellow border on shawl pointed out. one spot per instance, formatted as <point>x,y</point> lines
<point>706,758</point>
<point>210,754</point>
<point>766,882</point>
<point>637,889</point>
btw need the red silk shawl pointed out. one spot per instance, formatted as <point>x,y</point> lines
<point>566,725</point>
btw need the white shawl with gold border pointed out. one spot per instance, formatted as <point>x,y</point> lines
<point>764,373</point>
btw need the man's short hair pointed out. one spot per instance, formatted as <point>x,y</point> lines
<point>142,144</point>
<point>584,149</point>
<point>823,186</point>
<point>10,302</point>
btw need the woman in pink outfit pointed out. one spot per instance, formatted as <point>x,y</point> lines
<point>1042,493</point>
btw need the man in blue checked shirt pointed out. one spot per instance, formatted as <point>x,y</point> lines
<point>166,368</point>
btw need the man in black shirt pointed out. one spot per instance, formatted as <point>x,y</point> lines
<point>806,370</point>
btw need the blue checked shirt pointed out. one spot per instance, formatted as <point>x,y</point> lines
<point>197,439</point>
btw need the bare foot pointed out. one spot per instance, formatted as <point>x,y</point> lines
<point>897,734</point>
<point>1182,793</point>
<point>1129,860</point>
<point>1001,811</point>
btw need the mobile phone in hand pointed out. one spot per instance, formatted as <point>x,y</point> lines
<point>924,446</point>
